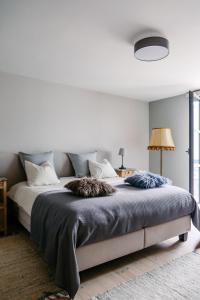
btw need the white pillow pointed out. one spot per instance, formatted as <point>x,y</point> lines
<point>40,175</point>
<point>101,170</point>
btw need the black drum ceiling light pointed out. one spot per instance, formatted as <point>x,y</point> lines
<point>151,48</point>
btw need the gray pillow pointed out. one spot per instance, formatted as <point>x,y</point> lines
<point>37,158</point>
<point>80,162</point>
<point>90,187</point>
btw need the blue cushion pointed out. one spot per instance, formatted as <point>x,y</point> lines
<point>37,158</point>
<point>80,162</point>
<point>146,180</point>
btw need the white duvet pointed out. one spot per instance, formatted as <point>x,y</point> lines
<point>24,195</point>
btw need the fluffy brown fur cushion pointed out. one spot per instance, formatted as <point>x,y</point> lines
<point>89,187</point>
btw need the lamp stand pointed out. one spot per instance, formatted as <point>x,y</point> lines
<point>161,164</point>
<point>122,166</point>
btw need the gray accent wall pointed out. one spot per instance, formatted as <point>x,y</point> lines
<point>39,116</point>
<point>174,113</point>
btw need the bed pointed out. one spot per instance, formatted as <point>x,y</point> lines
<point>92,251</point>
<point>87,251</point>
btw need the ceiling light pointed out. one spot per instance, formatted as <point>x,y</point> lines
<point>151,48</point>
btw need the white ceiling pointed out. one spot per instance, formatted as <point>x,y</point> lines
<point>89,44</point>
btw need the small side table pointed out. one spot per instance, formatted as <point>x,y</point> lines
<point>3,205</point>
<point>124,172</point>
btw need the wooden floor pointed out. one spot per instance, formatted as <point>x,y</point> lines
<point>101,278</point>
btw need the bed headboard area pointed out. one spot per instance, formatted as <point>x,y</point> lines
<point>11,168</point>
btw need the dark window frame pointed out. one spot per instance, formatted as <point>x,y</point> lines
<point>193,96</point>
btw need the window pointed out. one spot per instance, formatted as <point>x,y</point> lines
<point>194,149</point>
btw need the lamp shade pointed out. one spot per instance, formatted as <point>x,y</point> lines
<point>161,139</point>
<point>121,151</point>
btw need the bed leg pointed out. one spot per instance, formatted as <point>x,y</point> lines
<point>183,237</point>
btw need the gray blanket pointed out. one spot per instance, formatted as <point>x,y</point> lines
<point>61,222</point>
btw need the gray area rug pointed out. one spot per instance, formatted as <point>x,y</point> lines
<point>179,279</point>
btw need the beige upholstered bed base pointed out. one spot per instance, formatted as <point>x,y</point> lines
<point>95,254</point>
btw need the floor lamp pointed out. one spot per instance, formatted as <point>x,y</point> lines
<point>161,139</point>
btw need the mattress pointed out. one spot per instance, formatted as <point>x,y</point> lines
<point>24,196</point>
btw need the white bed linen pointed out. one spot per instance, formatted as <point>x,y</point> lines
<point>25,195</point>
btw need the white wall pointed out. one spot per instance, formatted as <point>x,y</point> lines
<point>37,115</point>
<point>173,113</point>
